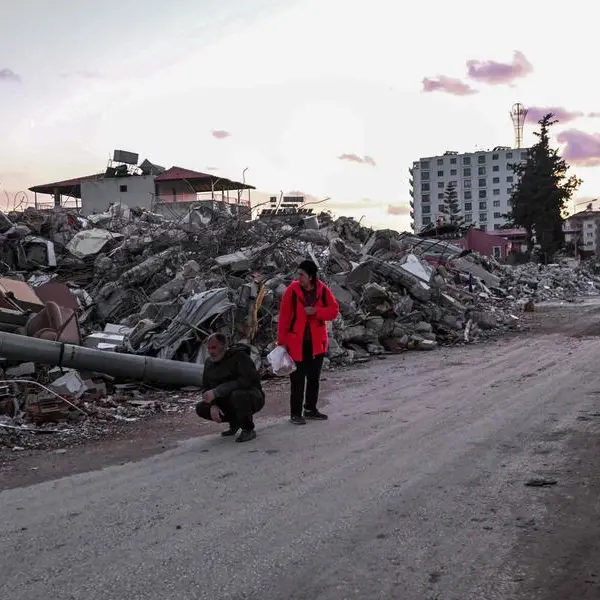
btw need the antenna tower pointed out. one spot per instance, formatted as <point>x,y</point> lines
<point>517,114</point>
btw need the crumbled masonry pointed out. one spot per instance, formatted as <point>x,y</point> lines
<point>132,281</point>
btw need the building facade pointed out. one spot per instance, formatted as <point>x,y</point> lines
<point>172,192</point>
<point>582,232</point>
<point>483,182</point>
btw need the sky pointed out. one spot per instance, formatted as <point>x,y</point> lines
<point>331,98</point>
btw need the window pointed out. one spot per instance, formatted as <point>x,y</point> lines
<point>441,196</point>
<point>468,206</point>
<point>496,192</point>
<point>483,206</point>
<point>440,161</point>
<point>468,195</point>
<point>424,187</point>
<point>425,176</point>
<point>426,220</point>
<point>496,203</point>
<point>424,164</point>
<point>425,198</point>
<point>589,225</point>
<point>440,173</point>
<point>482,193</point>
<point>466,160</point>
<point>481,171</point>
<point>441,207</point>
<point>523,155</point>
<point>495,156</point>
<point>468,218</point>
<point>509,155</point>
<point>483,228</point>
<point>467,183</point>
<point>509,179</point>
<point>497,251</point>
<point>497,215</point>
<point>467,172</point>
<point>482,183</point>
<point>440,185</point>
<point>496,180</point>
<point>483,217</point>
<point>426,210</point>
<point>453,183</point>
<point>481,159</point>
<point>453,172</point>
<point>496,168</point>
<point>122,189</point>
<point>497,226</point>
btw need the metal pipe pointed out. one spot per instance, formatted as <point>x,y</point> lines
<point>127,366</point>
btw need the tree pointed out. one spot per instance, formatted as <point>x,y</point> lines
<point>451,207</point>
<point>541,193</point>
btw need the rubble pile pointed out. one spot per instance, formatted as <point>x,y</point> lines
<point>132,281</point>
<point>549,282</point>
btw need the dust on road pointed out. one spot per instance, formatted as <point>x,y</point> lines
<point>415,489</point>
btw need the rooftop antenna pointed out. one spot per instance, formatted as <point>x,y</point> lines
<point>517,114</point>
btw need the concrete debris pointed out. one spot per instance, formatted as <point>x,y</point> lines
<point>134,283</point>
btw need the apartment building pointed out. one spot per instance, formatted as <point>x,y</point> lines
<point>582,230</point>
<point>483,181</point>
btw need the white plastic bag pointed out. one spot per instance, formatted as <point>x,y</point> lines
<point>281,362</point>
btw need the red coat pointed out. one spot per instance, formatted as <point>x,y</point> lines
<point>290,331</point>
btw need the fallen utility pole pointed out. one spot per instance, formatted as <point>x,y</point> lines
<point>127,366</point>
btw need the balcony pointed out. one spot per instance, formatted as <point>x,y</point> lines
<point>412,204</point>
<point>411,183</point>
<point>412,214</point>
<point>412,192</point>
<point>411,171</point>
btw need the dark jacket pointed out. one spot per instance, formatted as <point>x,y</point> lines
<point>235,371</point>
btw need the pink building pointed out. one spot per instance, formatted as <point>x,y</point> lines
<point>486,243</point>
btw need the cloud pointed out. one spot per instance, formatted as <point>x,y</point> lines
<point>495,73</point>
<point>594,115</point>
<point>536,113</point>
<point>398,209</point>
<point>581,148</point>
<point>9,76</point>
<point>82,75</point>
<point>220,134</point>
<point>441,83</point>
<point>363,160</point>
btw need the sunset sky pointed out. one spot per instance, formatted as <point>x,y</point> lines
<point>328,97</point>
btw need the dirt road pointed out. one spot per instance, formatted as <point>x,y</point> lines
<point>415,489</point>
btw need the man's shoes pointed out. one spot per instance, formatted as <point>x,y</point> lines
<point>315,415</point>
<point>297,420</point>
<point>231,431</point>
<point>246,435</point>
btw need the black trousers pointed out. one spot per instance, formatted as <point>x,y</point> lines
<point>305,380</point>
<point>237,408</point>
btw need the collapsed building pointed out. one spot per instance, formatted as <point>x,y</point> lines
<point>92,308</point>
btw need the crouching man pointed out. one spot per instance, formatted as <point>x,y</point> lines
<point>231,388</point>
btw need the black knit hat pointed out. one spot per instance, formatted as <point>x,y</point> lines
<point>309,267</point>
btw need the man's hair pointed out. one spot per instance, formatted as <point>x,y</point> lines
<point>221,338</point>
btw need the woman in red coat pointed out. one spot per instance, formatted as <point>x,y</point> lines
<point>306,306</point>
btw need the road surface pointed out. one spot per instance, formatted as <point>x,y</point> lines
<point>415,489</point>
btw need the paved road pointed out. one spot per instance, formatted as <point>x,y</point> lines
<point>414,490</point>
